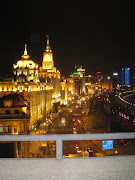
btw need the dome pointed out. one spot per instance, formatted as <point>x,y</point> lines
<point>12,100</point>
<point>25,61</point>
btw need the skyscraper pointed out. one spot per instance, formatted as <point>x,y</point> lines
<point>125,76</point>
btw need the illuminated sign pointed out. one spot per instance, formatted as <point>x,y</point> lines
<point>115,74</point>
<point>98,72</point>
<point>107,144</point>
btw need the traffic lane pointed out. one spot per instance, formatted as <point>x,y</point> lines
<point>68,117</point>
<point>72,147</point>
<point>57,121</point>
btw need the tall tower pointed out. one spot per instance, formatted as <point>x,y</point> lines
<point>125,76</point>
<point>81,72</point>
<point>48,69</point>
<point>76,78</point>
<point>48,73</point>
<point>48,62</point>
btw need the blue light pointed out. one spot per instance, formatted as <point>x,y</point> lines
<point>127,76</point>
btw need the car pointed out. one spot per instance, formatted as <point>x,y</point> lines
<point>76,146</point>
<point>79,151</point>
<point>90,150</point>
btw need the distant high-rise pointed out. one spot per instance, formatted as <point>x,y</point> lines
<point>79,80</point>
<point>76,79</point>
<point>125,76</point>
<point>81,72</point>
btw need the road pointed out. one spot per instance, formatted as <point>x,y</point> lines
<point>97,121</point>
<point>57,126</point>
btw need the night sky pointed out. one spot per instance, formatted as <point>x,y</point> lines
<point>98,35</point>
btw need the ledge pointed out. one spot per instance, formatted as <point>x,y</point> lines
<point>95,168</point>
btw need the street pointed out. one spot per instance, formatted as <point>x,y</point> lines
<point>74,120</point>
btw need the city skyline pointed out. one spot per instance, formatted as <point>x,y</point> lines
<point>99,37</point>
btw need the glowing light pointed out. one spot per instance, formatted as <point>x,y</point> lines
<point>115,74</point>
<point>124,116</point>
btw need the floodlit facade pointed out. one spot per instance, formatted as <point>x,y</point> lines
<point>14,114</point>
<point>81,73</point>
<point>25,70</point>
<point>25,81</point>
<point>49,74</point>
<point>79,80</point>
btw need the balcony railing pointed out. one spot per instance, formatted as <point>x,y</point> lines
<point>59,138</point>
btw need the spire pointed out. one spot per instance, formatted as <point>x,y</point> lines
<point>25,51</point>
<point>47,39</point>
<point>25,55</point>
<point>48,47</point>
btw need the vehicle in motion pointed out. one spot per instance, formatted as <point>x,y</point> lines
<point>89,150</point>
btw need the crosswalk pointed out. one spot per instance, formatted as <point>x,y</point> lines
<point>60,128</point>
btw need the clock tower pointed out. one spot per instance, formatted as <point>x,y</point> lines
<point>48,74</point>
<point>48,62</point>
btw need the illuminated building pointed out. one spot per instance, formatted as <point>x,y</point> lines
<point>63,93</point>
<point>79,80</point>
<point>89,82</point>
<point>115,80</point>
<point>14,114</point>
<point>26,81</point>
<point>67,89</point>
<point>26,73</point>
<point>125,76</point>
<point>81,73</point>
<point>126,79</point>
<point>76,78</point>
<point>7,85</point>
<point>41,87</point>
<point>98,75</point>
<point>15,119</point>
<point>106,82</point>
<point>48,74</point>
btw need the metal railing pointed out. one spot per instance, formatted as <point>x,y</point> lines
<point>67,137</point>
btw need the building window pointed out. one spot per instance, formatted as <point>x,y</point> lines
<point>15,129</point>
<point>1,128</point>
<point>16,111</point>
<point>7,111</point>
<point>7,128</point>
<point>2,88</point>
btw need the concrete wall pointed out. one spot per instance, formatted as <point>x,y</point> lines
<point>94,168</point>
